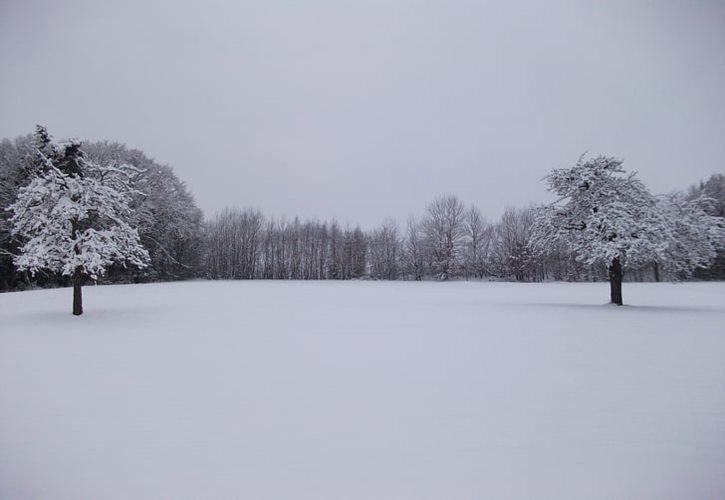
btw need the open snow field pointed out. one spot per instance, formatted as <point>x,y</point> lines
<point>363,390</point>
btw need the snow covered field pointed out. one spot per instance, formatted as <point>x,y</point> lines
<point>363,390</point>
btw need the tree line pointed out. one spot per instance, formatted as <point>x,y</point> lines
<point>447,240</point>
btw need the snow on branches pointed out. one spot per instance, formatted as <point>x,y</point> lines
<point>73,215</point>
<point>694,236</point>
<point>604,213</point>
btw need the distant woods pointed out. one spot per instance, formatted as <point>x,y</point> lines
<point>243,244</point>
<point>448,239</point>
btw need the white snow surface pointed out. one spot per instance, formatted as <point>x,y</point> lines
<point>363,390</point>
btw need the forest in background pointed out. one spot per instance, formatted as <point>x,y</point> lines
<point>448,240</point>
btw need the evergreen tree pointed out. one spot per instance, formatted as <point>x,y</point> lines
<point>73,217</point>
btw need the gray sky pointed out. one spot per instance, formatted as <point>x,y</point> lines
<point>368,109</point>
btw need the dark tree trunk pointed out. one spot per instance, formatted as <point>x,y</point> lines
<point>77,276</point>
<point>77,293</point>
<point>656,268</point>
<point>615,281</point>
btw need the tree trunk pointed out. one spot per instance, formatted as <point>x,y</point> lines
<point>77,276</point>
<point>656,268</point>
<point>615,281</point>
<point>77,293</point>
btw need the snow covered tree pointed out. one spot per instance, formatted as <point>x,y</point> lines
<point>714,190</point>
<point>16,167</point>
<point>73,217</point>
<point>694,236</point>
<point>604,215</point>
<point>164,213</point>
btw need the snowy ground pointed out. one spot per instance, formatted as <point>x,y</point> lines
<point>362,390</point>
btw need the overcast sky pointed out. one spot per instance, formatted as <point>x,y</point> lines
<point>368,109</point>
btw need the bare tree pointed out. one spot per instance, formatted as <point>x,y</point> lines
<point>513,233</point>
<point>479,237</point>
<point>414,250</point>
<point>234,239</point>
<point>444,233</point>
<point>385,250</point>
